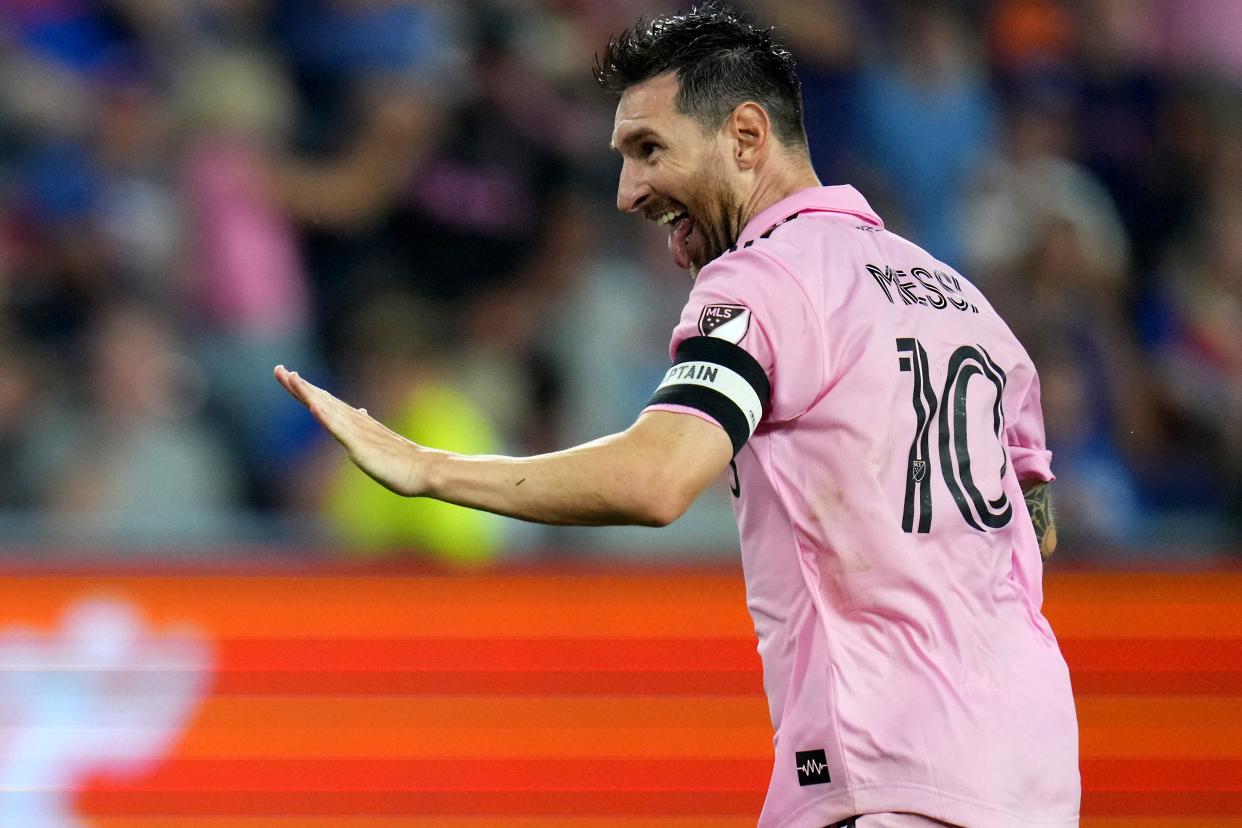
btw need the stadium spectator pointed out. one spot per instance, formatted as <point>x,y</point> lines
<point>134,463</point>
<point>258,170</point>
<point>401,360</point>
<point>926,114</point>
<point>245,282</point>
<point>1046,241</point>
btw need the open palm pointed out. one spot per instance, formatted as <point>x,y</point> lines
<point>387,457</point>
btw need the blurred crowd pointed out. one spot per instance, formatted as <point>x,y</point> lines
<point>412,203</point>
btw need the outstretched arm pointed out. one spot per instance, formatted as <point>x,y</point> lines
<point>648,474</point>
<point>1039,503</point>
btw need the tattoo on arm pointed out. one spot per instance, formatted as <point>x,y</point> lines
<point>1039,504</point>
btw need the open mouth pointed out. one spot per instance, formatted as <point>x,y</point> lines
<point>681,227</point>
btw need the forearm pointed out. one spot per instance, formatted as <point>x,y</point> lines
<point>1039,503</point>
<point>608,481</point>
<point>648,474</point>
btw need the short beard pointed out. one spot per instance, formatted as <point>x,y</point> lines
<point>717,202</point>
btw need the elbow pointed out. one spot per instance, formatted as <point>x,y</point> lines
<point>662,502</point>
<point>661,512</point>
<point>660,466</point>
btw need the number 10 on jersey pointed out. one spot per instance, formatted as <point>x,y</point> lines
<point>948,416</point>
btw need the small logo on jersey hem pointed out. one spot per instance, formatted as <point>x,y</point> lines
<point>812,767</point>
<point>728,322</point>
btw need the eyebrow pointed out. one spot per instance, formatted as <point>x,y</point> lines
<point>632,138</point>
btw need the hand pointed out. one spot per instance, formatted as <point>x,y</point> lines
<point>387,457</point>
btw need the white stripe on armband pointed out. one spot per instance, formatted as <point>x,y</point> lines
<point>724,380</point>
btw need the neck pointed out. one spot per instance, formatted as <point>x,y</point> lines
<point>774,184</point>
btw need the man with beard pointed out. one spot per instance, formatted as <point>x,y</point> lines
<point>878,421</point>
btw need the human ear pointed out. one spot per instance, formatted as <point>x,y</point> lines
<point>750,128</point>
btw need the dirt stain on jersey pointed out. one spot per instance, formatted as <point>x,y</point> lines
<point>829,509</point>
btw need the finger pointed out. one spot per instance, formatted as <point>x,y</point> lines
<point>315,394</point>
<point>332,420</point>
<point>309,393</point>
<point>287,380</point>
<point>283,375</point>
<point>332,412</point>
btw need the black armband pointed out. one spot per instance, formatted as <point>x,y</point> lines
<point>720,379</point>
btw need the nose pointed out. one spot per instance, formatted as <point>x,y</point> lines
<point>632,189</point>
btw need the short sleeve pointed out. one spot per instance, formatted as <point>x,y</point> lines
<point>749,326</point>
<point>1030,457</point>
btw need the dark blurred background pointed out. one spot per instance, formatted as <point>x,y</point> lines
<point>412,204</point>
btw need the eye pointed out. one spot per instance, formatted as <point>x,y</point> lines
<point>648,148</point>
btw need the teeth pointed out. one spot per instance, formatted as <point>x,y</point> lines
<point>667,217</point>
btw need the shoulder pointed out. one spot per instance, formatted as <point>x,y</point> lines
<point>759,287</point>
<point>780,251</point>
<point>760,277</point>
<point>807,227</point>
<point>809,242</point>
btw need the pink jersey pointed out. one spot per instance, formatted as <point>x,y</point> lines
<point>882,415</point>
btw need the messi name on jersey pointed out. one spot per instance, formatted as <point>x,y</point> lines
<point>934,289</point>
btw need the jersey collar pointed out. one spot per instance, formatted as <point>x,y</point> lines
<point>837,199</point>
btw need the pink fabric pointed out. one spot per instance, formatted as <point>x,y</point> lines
<point>918,663</point>
<point>246,267</point>
<point>1202,34</point>
<point>683,409</point>
<point>898,821</point>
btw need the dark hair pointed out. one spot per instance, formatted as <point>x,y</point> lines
<point>721,60</point>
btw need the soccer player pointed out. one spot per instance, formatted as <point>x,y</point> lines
<point>881,432</point>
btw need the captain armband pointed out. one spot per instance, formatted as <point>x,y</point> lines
<point>720,379</point>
